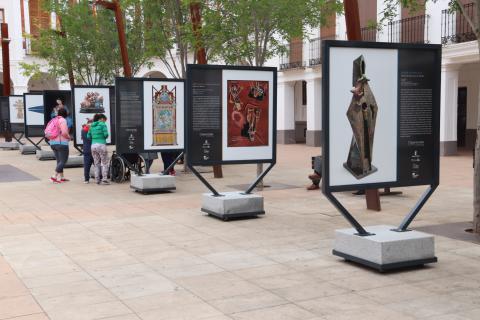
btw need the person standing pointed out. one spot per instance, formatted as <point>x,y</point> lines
<point>59,138</point>
<point>87,151</point>
<point>168,157</point>
<point>98,132</point>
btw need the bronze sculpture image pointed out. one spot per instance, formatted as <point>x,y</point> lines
<point>362,115</point>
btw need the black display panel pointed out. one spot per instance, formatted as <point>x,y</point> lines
<point>128,115</point>
<point>4,114</point>
<point>55,99</point>
<point>149,115</point>
<point>17,117</point>
<point>381,115</point>
<point>231,114</point>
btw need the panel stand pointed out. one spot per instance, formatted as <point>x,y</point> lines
<point>384,248</point>
<point>18,139</point>
<point>155,183</point>
<point>230,205</point>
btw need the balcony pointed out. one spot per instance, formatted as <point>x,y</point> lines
<point>293,58</point>
<point>455,28</point>
<point>369,33</point>
<point>409,30</point>
<point>315,50</point>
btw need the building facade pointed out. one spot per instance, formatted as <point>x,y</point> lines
<point>300,77</point>
<point>300,87</point>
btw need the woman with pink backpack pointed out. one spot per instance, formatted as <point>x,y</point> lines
<point>58,137</point>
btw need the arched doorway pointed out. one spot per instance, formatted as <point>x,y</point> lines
<point>154,74</point>
<point>42,82</point>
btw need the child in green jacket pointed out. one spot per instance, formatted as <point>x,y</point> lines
<point>98,132</point>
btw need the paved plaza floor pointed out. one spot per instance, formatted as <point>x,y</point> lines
<point>78,252</point>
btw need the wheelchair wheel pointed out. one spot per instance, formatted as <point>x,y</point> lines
<point>117,169</point>
<point>140,165</point>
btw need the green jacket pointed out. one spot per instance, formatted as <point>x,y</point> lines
<point>98,132</point>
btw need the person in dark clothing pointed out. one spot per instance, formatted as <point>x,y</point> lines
<point>87,152</point>
<point>168,157</point>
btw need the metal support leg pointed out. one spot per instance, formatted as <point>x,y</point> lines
<point>165,172</point>
<point>205,182</point>
<point>416,209</point>
<point>19,138</point>
<point>259,178</point>
<point>361,231</point>
<point>35,144</point>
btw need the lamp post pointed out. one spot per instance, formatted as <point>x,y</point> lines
<point>352,20</point>
<point>201,55</point>
<point>122,39</point>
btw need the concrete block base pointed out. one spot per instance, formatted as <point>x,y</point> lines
<point>28,149</point>
<point>386,249</point>
<point>150,183</point>
<point>233,205</point>
<point>45,154</point>
<point>9,145</point>
<point>74,162</point>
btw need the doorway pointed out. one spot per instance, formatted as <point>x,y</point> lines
<point>461,116</point>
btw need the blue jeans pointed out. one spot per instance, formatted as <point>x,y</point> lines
<point>87,164</point>
<point>61,155</point>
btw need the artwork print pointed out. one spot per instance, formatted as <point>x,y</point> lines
<point>34,110</point>
<point>16,109</point>
<point>247,118</point>
<point>92,102</point>
<point>88,101</point>
<point>164,107</point>
<point>362,115</point>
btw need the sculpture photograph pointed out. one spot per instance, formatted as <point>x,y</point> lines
<point>16,109</point>
<point>92,103</point>
<point>362,115</point>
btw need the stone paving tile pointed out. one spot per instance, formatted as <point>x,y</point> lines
<point>193,311</point>
<point>18,306</point>
<point>282,312</point>
<point>115,255</point>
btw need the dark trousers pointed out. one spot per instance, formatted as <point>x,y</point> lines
<point>61,155</point>
<point>87,164</point>
<point>168,158</point>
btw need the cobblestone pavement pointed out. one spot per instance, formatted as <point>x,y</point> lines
<point>75,251</point>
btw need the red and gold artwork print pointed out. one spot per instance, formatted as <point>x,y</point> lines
<point>247,108</point>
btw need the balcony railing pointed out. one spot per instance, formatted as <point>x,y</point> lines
<point>315,57</point>
<point>455,28</point>
<point>293,58</point>
<point>369,33</point>
<point>409,30</point>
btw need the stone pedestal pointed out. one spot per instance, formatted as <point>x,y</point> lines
<point>9,145</point>
<point>74,162</point>
<point>152,182</point>
<point>233,205</point>
<point>28,149</point>
<point>45,154</point>
<point>385,249</point>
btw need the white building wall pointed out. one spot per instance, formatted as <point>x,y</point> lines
<point>469,77</point>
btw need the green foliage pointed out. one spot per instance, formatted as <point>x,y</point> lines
<point>252,31</point>
<point>87,43</point>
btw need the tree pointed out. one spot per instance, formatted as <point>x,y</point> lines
<point>474,23</point>
<point>249,32</point>
<point>86,42</point>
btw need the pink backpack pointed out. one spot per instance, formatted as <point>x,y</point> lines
<point>52,131</point>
